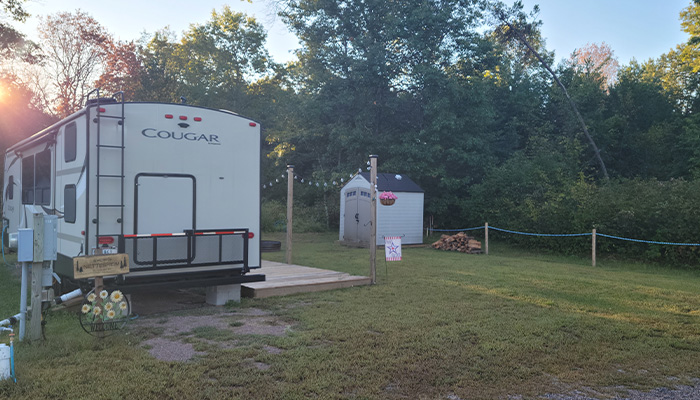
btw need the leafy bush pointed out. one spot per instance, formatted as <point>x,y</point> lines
<point>273,216</point>
<point>527,199</point>
<point>306,219</point>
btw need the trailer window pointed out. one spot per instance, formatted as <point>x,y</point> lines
<point>36,179</point>
<point>70,144</point>
<point>28,180</point>
<point>69,201</point>
<point>10,189</point>
<point>42,178</point>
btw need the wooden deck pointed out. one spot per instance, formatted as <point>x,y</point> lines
<point>282,279</point>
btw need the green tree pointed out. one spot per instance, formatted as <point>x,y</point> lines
<point>159,80</point>
<point>212,65</point>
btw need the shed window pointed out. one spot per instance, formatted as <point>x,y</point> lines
<point>69,201</point>
<point>70,144</point>
<point>36,179</point>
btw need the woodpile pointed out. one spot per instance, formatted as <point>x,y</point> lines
<point>459,242</point>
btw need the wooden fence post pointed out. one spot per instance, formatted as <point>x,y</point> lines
<point>486,238</point>
<point>290,205</point>
<point>37,270</point>
<point>593,247</point>
<point>373,212</point>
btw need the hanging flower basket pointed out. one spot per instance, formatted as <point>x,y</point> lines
<point>387,198</point>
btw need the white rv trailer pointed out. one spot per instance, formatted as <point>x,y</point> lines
<point>175,187</point>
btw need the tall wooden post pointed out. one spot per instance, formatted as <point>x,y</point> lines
<point>486,238</point>
<point>290,205</point>
<point>593,248</point>
<point>37,270</point>
<point>373,212</point>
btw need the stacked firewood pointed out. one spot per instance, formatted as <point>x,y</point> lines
<point>459,242</point>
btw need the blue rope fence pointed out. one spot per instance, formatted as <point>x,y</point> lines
<point>567,235</point>
<point>541,234</point>
<point>647,241</point>
<point>458,230</point>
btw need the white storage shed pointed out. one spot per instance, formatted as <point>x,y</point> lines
<point>404,218</point>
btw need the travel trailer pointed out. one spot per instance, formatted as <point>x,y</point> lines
<point>174,186</point>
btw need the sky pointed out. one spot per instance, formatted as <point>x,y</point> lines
<point>639,29</point>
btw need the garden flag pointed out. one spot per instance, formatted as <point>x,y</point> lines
<point>392,248</point>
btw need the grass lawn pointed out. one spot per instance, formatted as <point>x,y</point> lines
<point>437,325</point>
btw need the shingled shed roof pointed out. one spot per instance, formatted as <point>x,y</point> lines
<point>389,182</point>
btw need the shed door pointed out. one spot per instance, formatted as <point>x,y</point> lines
<point>364,226</point>
<point>357,215</point>
<point>351,216</point>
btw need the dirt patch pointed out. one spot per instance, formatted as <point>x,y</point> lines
<point>175,325</point>
<point>181,318</point>
<point>170,350</point>
<point>262,326</point>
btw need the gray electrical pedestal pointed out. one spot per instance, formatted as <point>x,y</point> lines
<point>36,246</point>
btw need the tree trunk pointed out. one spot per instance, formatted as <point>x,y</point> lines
<point>581,122</point>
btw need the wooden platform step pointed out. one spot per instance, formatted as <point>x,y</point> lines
<point>283,279</point>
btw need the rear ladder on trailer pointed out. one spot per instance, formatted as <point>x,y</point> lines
<point>106,147</point>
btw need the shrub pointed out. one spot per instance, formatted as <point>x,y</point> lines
<point>531,201</point>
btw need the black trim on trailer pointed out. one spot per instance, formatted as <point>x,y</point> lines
<point>128,284</point>
<point>164,175</point>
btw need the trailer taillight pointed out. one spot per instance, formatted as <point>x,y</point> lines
<point>102,110</point>
<point>169,116</point>
<point>198,119</point>
<point>105,240</point>
<point>253,124</point>
<point>251,235</point>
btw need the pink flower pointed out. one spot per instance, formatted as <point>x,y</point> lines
<point>387,195</point>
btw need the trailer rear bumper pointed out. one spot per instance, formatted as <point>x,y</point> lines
<point>127,283</point>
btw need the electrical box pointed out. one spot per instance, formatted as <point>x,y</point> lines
<point>25,245</point>
<point>50,237</point>
<point>12,241</point>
